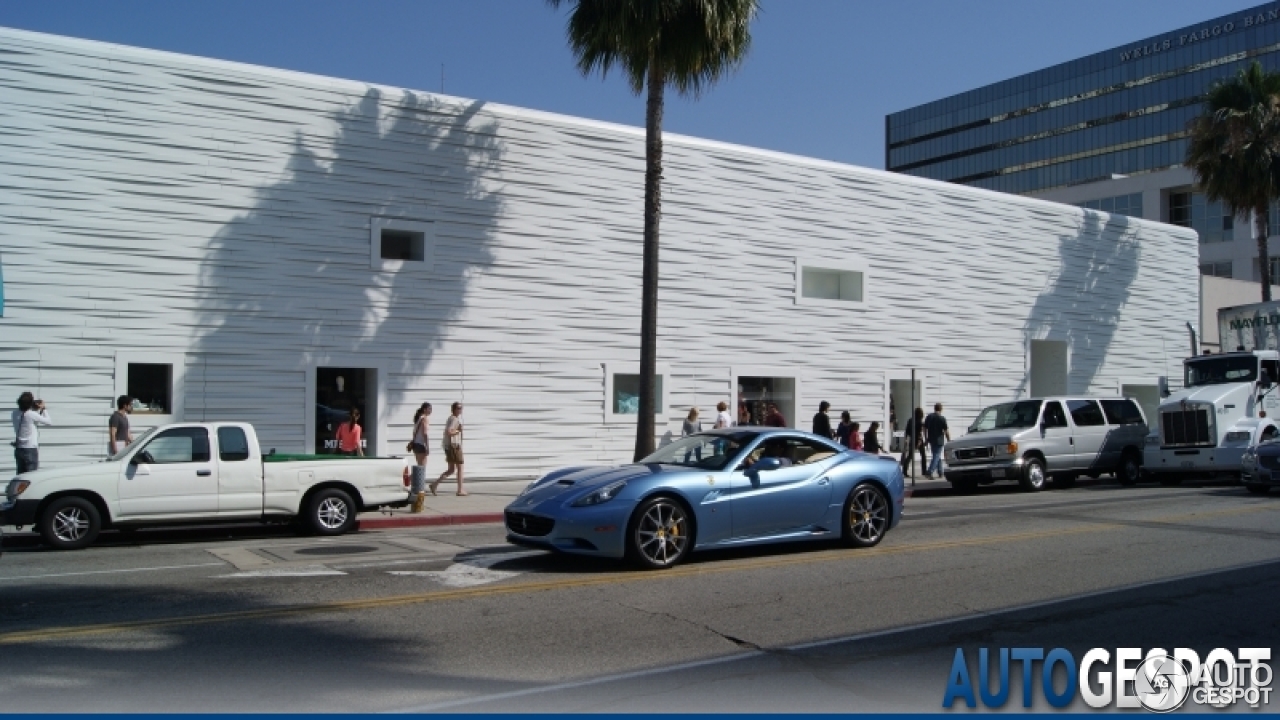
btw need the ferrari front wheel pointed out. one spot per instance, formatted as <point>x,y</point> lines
<point>659,534</point>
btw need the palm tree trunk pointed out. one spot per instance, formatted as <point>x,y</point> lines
<point>649,288</point>
<point>1264,261</point>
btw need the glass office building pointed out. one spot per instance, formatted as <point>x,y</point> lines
<point>1119,112</point>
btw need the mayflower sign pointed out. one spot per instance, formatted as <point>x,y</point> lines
<point>1249,327</point>
<point>1198,34</point>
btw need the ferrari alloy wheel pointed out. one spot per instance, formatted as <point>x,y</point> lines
<point>866,516</point>
<point>659,535</point>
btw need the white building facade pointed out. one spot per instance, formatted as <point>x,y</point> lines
<point>227,242</point>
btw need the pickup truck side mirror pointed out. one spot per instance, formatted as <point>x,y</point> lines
<point>142,458</point>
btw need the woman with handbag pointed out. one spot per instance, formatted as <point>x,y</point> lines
<point>418,446</point>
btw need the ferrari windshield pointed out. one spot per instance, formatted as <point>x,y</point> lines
<point>704,452</point>
<point>1221,369</point>
<point>1007,416</point>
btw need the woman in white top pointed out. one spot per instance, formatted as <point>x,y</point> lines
<point>722,416</point>
<point>421,428</point>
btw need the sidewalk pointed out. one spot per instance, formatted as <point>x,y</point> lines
<point>484,503</point>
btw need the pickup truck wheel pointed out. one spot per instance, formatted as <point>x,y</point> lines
<point>330,512</point>
<point>70,523</point>
<point>1032,475</point>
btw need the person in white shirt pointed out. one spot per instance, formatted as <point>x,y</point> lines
<point>722,416</point>
<point>26,443</point>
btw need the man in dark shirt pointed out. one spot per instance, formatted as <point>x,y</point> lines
<point>936,432</point>
<point>774,417</point>
<point>118,433</point>
<point>913,441</point>
<point>821,422</point>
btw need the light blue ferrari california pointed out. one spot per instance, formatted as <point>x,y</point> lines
<point>719,489</point>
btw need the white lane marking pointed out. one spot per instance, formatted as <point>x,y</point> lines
<point>990,614</point>
<point>296,571</point>
<point>471,571</point>
<point>241,558</point>
<point>107,572</point>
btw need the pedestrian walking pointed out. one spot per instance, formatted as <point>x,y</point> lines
<point>691,426</point>
<point>419,446</point>
<point>31,413</point>
<point>349,435</point>
<point>855,437</point>
<point>775,418</point>
<point>871,442</point>
<point>842,430</point>
<point>722,416</point>
<point>452,448</point>
<point>119,436</point>
<point>821,422</point>
<point>937,433</point>
<point>913,441</point>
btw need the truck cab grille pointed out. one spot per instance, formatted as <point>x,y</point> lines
<point>1186,428</point>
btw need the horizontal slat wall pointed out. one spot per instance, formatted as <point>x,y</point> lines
<point>156,202</point>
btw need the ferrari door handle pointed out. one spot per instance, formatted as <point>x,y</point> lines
<point>823,481</point>
<point>204,473</point>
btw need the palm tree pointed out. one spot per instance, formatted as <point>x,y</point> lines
<point>689,44</point>
<point>1234,151</point>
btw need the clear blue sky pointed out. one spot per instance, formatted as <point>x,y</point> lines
<point>820,79</point>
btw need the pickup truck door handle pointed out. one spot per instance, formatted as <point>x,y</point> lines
<point>204,473</point>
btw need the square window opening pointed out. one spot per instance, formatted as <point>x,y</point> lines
<point>626,394</point>
<point>823,284</point>
<point>403,245</point>
<point>151,387</point>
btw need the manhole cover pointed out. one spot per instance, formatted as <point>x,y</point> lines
<point>338,550</point>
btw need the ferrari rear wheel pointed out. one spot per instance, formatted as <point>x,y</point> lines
<point>866,516</point>
<point>659,534</point>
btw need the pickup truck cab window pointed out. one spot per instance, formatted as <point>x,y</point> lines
<point>233,444</point>
<point>176,445</point>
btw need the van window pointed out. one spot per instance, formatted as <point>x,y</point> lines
<point>1122,412</point>
<point>1053,415</point>
<point>233,445</point>
<point>1085,413</point>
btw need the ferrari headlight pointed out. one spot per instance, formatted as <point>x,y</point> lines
<point>602,495</point>
<point>1238,435</point>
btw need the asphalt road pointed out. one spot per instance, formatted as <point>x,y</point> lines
<point>452,619</point>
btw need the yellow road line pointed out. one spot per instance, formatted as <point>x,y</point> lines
<point>62,633</point>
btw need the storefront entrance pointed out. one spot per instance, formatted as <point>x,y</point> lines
<point>337,391</point>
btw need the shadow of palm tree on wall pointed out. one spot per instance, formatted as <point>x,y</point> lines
<point>1082,301</point>
<point>292,278</point>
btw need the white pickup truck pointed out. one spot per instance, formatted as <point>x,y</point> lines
<point>200,473</point>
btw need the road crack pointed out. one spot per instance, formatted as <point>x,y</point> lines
<point>745,644</point>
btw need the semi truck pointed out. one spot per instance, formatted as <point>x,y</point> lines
<point>1228,402</point>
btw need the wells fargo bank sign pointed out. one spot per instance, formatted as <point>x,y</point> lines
<point>1202,33</point>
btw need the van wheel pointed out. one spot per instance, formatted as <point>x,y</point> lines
<point>330,512</point>
<point>70,523</point>
<point>1032,475</point>
<point>1130,469</point>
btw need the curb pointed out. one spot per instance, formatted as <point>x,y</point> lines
<point>379,523</point>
